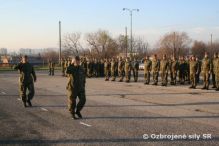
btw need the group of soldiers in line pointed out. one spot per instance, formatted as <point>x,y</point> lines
<point>182,70</point>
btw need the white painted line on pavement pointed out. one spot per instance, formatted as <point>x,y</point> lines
<point>82,123</point>
<point>3,93</point>
<point>44,109</point>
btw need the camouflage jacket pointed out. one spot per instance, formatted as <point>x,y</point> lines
<point>77,78</point>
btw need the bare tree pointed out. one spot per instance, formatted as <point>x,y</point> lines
<point>102,44</point>
<point>198,49</point>
<point>71,43</point>
<point>175,43</point>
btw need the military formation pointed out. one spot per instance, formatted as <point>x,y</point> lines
<point>164,71</point>
<point>185,70</point>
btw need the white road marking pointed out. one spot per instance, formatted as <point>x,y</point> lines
<point>3,92</point>
<point>82,123</point>
<point>44,109</point>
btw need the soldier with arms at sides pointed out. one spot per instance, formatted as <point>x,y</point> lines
<point>26,80</point>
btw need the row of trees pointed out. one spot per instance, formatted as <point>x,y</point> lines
<point>101,44</point>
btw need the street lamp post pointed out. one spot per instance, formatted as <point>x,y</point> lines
<point>131,11</point>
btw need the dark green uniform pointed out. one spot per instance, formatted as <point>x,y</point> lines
<point>206,69</point>
<point>26,81</point>
<point>164,66</point>
<point>147,70</point>
<point>76,88</point>
<point>155,70</point>
<point>182,68</point>
<point>193,67</point>
<point>135,70</point>
<point>173,71</point>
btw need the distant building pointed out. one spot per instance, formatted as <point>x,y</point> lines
<point>3,51</point>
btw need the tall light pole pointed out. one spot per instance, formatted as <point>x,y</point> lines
<point>60,43</point>
<point>131,11</point>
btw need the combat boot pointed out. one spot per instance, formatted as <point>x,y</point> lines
<point>24,104</point>
<point>29,103</point>
<point>79,115</point>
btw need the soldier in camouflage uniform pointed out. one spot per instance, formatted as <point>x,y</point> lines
<point>128,68</point>
<point>182,68</point>
<point>107,69</point>
<point>155,69</point>
<point>113,69</point>
<point>66,65</point>
<point>214,69</point>
<point>187,69</point>
<point>173,70</point>
<point>51,67</point>
<point>147,70</point>
<point>206,71</point>
<point>76,88</point>
<point>26,80</point>
<point>164,66</point>
<point>121,68</point>
<point>135,69</point>
<point>193,67</point>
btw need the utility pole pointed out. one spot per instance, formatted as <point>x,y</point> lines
<point>60,43</point>
<point>174,44</point>
<point>126,43</point>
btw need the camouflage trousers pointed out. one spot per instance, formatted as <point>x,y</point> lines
<point>155,77</point>
<point>113,75</point>
<point>173,76</point>
<point>193,79</point>
<point>182,77</point>
<point>206,77</point>
<point>23,88</point>
<point>164,76</point>
<point>121,75</point>
<point>72,105</point>
<point>107,74</point>
<point>147,76</point>
<point>128,76</point>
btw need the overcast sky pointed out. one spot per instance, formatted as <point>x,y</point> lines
<point>34,23</point>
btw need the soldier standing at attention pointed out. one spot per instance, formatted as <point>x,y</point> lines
<point>135,69</point>
<point>51,68</point>
<point>173,70</point>
<point>128,68</point>
<point>121,69</point>
<point>214,64</point>
<point>164,64</point>
<point>66,65</point>
<point>206,71</point>
<point>182,68</point>
<point>26,80</point>
<point>107,69</point>
<point>193,67</point>
<point>76,88</point>
<point>147,70</point>
<point>155,69</point>
<point>113,69</point>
